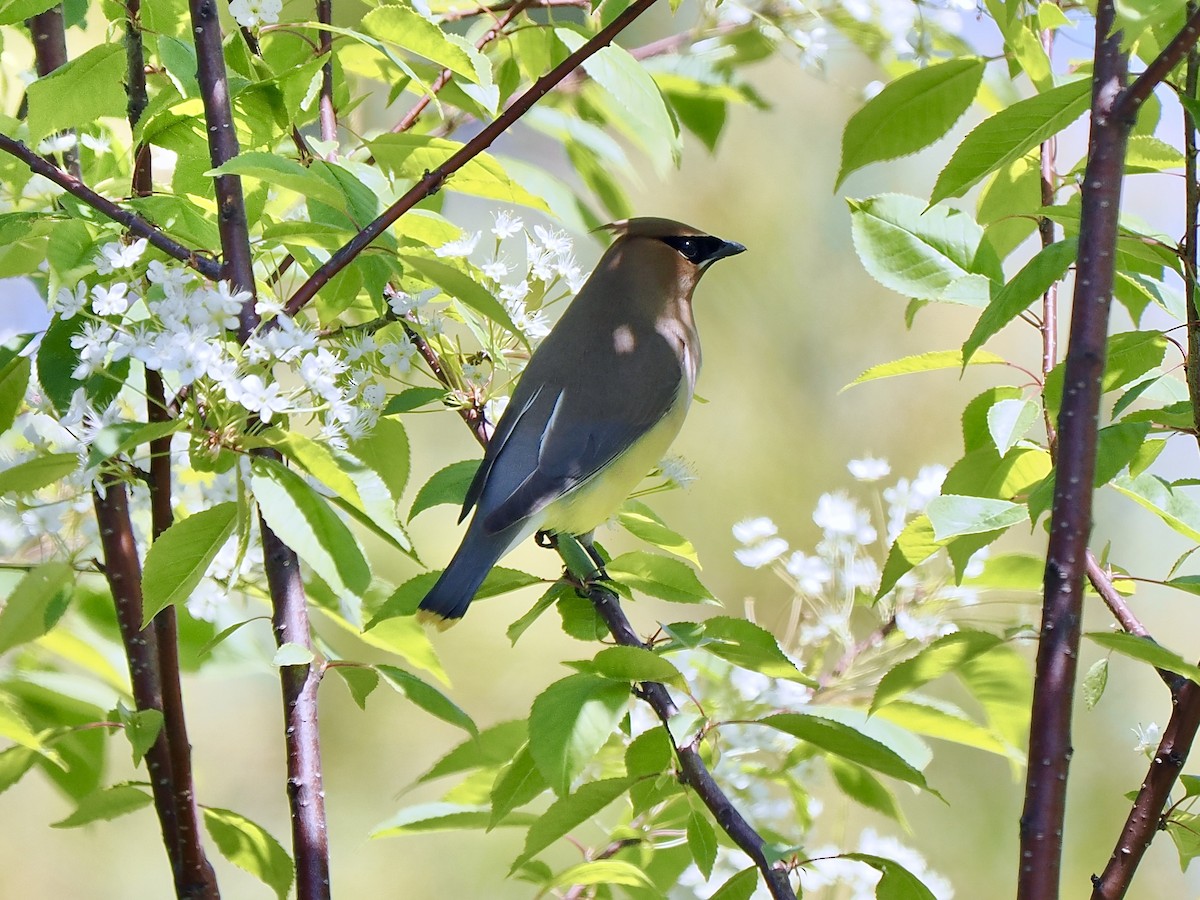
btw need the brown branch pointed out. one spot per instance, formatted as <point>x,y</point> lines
<point>1132,98</point>
<point>1050,749</point>
<point>1048,159</point>
<point>692,770</point>
<point>1145,816</point>
<point>132,222</point>
<point>237,263</point>
<point>328,115</point>
<point>457,15</point>
<point>306,792</point>
<point>49,35</point>
<point>434,180</point>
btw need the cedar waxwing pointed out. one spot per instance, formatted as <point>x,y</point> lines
<point>596,408</point>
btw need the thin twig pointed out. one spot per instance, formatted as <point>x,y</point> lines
<point>49,35</point>
<point>1071,519</point>
<point>327,113</point>
<point>1131,99</point>
<point>132,222</point>
<point>1048,158</point>
<point>434,180</point>
<point>457,15</point>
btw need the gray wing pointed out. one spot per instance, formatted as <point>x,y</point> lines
<point>565,428</point>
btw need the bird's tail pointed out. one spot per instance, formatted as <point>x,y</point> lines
<point>449,598</point>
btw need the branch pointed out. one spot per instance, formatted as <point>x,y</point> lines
<point>49,35</point>
<point>434,180</point>
<point>1058,650</point>
<point>328,114</point>
<point>238,265</point>
<point>1048,158</point>
<point>1132,98</point>
<point>124,574</point>
<point>692,770</point>
<point>306,793</point>
<point>455,15</point>
<point>132,222</point>
<point>1145,817</point>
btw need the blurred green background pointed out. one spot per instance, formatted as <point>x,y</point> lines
<point>785,327</point>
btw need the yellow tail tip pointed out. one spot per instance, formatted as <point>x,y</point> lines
<point>441,623</point>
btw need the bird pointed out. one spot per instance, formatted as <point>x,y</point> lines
<point>598,404</point>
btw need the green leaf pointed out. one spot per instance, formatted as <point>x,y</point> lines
<point>650,753</point>
<point>37,472</point>
<point>360,680</point>
<point>642,522</point>
<point>643,110</point>
<point>1035,278</point>
<point>427,817</point>
<point>386,451</point>
<point>281,172</point>
<point>410,156</point>
<point>557,592</point>
<point>400,24</point>
<point>14,763</point>
<point>860,785</point>
<point>702,841</point>
<point>463,287</point>
<point>1094,683</point>
<point>105,805</point>
<point>603,871</point>
<point>1147,651</point>
<point>740,886</point>
<point>427,697</point>
<point>303,520</point>
<point>1010,133</point>
<point>569,812</point>
<point>14,12</point>
<point>85,89</point>
<point>953,515</point>
<point>14,379</point>
<point>936,659</point>
<point>180,556</point>
<point>934,253</point>
<point>847,742</point>
<point>292,654</point>
<point>405,599</point>
<point>750,646</point>
<point>658,576</point>
<point>1002,683</point>
<point>142,728</point>
<point>517,784</point>
<point>251,848</point>
<point>490,748</point>
<point>120,438</point>
<point>413,398</point>
<point>937,719</point>
<point>897,882</point>
<point>35,604</point>
<point>1184,829</point>
<point>915,544</point>
<point>633,664</point>
<point>910,113</point>
<point>925,362</point>
<point>1009,421</point>
<point>448,485</point>
<point>570,721</point>
<point>1176,509</point>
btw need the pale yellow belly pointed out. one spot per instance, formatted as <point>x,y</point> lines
<point>590,504</point>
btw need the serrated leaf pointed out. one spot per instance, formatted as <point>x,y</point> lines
<point>141,729</point>
<point>896,883</point>
<point>921,252</point>
<point>570,720</point>
<point>517,784</point>
<point>492,747</point>
<point>448,485</point>
<point>910,113</point>
<point>360,680</point>
<point>847,742</point>
<point>403,26</point>
<point>14,12</point>
<point>1176,509</point>
<point>650,753</point>
<point>1094,683</point>
<point>739,886</point>
<point>105,805</point>
<point>79,92</point>
<point>702,842</point>
<point>14,379</point>
<point>1184,829</point>
<point>658,576</point>
<point>1035,278</point>
<point>303,520</point>
<point>603,871</point>
<point>641,521</point>
<point>405,599</point>
<point>913,545</point>
<point>427,817</point>
<point>281,172</point>
<point>1009,421</point>
<point>569,812</point>
<point>250,847</point>
<point>926,362</point>
<point>462,287</point>
<point>180,556</point>
<point>121,437</point>
<point>860,785</point>
<point>953,515</point>
<point>426,696</point>
<point>634,664</point>
<point>35,604</point>
<point>934,660</point>
<point>413,398</point>
<point>292,654</point>
<point>37,472</point>
<point>937,719</point>
<point>1010,133</point>
<point>1147,651</point>
<point>557,591</point>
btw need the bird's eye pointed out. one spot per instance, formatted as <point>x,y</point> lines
<point>689,248</point>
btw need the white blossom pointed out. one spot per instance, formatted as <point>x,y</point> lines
<point>812,573</point>
<point>462,246</point>
<point>111,300</point>
<point>260,398</point>
<point>68,303</point>
<point>252,13</point>
<point>505,224</point>
<point>869,468</point>
<point>117,255</point>
<point>748,531</point>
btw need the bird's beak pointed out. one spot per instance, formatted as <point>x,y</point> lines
<point>729,248</point>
